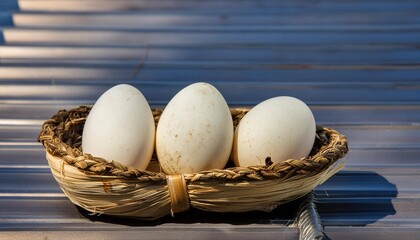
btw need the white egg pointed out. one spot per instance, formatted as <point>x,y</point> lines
<point>195,131</point>
<point>281,128</point>
<point>120,127</point>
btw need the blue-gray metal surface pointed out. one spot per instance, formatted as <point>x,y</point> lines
<point>355,62</point>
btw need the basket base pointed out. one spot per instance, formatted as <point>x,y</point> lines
<point>284,214</point>
<point>300,214</point>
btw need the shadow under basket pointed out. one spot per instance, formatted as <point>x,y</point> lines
<point>108,187</point>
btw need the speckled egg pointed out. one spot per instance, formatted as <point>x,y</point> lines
<point>195,131</point>
<point>120,127</point>
<point>277,129</point>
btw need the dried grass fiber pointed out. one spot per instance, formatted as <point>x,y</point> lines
<point>108,187</point>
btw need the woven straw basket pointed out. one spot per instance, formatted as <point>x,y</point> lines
<point>108,187</point>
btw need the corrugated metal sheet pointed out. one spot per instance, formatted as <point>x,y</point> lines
<point>357,63</point>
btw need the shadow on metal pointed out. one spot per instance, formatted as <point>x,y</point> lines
<point>342,200</point>
<point>303,212</point>
<point>7,7</point>
<point>362,200</point>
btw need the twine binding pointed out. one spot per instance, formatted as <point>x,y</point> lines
<point>178,192</point>
<point>308,220</point>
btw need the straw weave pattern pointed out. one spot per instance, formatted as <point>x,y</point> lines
<point>106,186</point>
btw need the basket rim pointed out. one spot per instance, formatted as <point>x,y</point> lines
<point>333,146</point>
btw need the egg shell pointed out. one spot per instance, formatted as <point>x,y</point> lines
<point>281,128</point>
<point>195,131</point>
<point>120,127</point>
